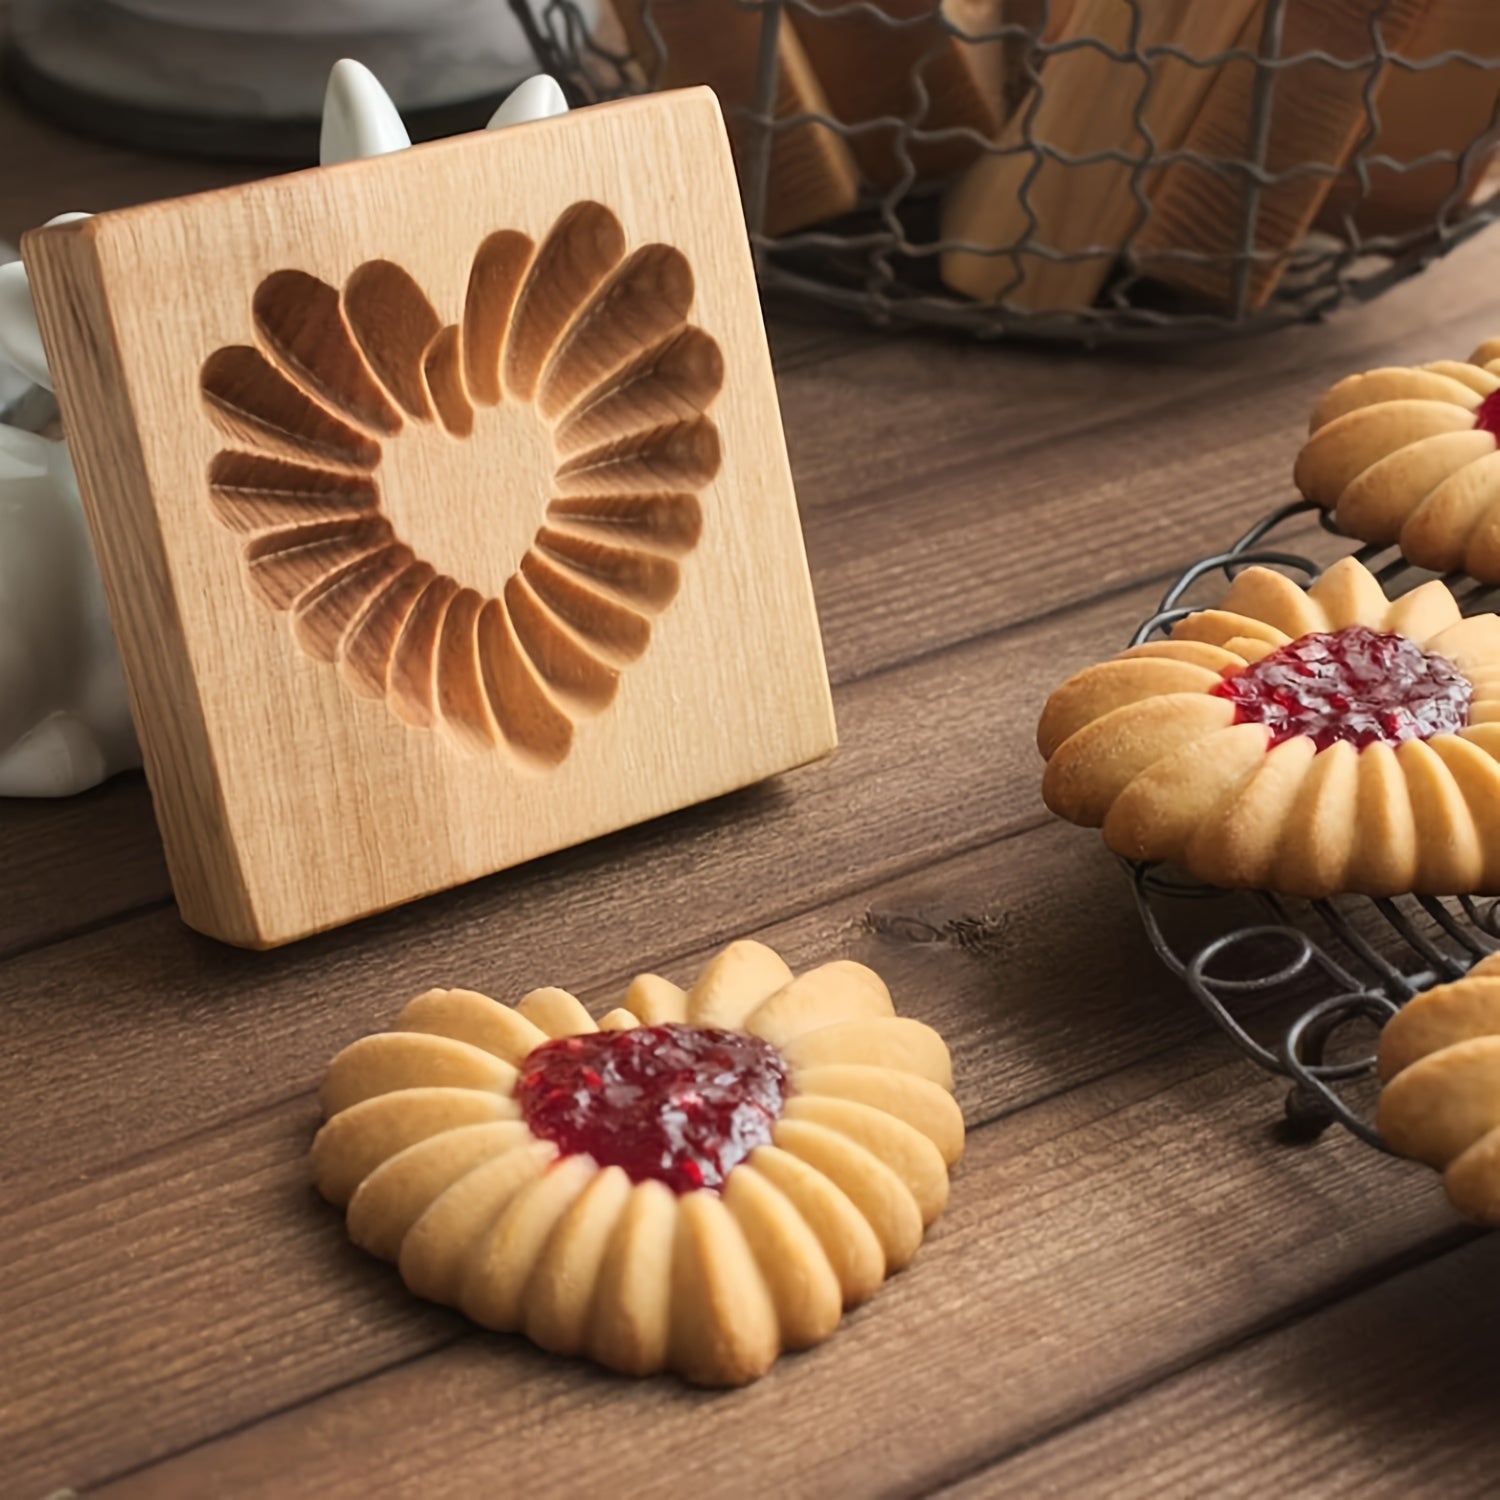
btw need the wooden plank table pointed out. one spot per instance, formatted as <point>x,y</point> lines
<point>1137,1289</point>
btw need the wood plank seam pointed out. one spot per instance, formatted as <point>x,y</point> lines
<point>129,1472</point>
<point>1456,1239</point>
<point>999,632</point>
<point>267,1108</point>
<point>1387,1394</point>
<point>86,929</point>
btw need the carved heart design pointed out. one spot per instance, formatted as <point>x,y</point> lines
<point>573,382</point>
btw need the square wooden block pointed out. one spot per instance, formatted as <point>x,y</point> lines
<point>442,504</point>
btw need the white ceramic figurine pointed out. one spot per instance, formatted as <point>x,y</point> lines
<point>64,718</point>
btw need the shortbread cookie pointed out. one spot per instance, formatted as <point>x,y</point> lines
<point>704,1178</point>
<point>1305,741</point>
<point>1440,1064</point>
<point>1410,456</point>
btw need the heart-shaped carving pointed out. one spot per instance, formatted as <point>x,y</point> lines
<point>573,374</point>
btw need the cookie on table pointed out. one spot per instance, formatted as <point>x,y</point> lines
<point>1411,456</point>
<point>1308,741</point>
<point>1439,1062</point>
<point>700,1180</point>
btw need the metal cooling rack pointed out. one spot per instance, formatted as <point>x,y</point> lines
<point>1339,965</point>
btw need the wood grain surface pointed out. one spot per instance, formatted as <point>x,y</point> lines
<point>1139,1288</point>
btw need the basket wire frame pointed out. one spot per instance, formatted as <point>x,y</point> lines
<point>880,261</point>
<point>1363,958</point>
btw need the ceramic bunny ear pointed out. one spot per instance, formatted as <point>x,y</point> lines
<point>359,119</point>
<point>538,98</point>
<point>20,338</point>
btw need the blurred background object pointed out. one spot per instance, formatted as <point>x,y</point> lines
<point>796,175</point>
<point>1080,170</point>
<point>1083,170</point>
<point>15,388</point>
<point>230,78</point>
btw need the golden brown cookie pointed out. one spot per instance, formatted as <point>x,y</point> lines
<point>1410,456</point>
<point>1440,1064</point>
<point>704,1178</point>
<point>1305,741</point>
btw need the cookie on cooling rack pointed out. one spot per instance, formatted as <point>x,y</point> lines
<point>1411,456</point>
<point>702,1179</point>
<point>1439,1063</point>
<point>1303,741</point>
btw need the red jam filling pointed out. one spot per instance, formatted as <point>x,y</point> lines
<point>1487,417</point>
<point>681,1104</point>
<point>1356,685</point>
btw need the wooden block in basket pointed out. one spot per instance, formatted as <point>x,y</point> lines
<point>869,70</point>
<point>990,62</point>
<point>1001,66</point>
<point>442,505</point>
<point>1439,109</point>
<point>1318,113</point>
<point>1089,102</point>
<point>813,174</point>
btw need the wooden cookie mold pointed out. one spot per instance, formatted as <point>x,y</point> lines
<point>442,504</point>
<point>345,390</point>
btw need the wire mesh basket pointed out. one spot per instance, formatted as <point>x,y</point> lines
<point>1079,170</point>
<point>1302,987</point>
